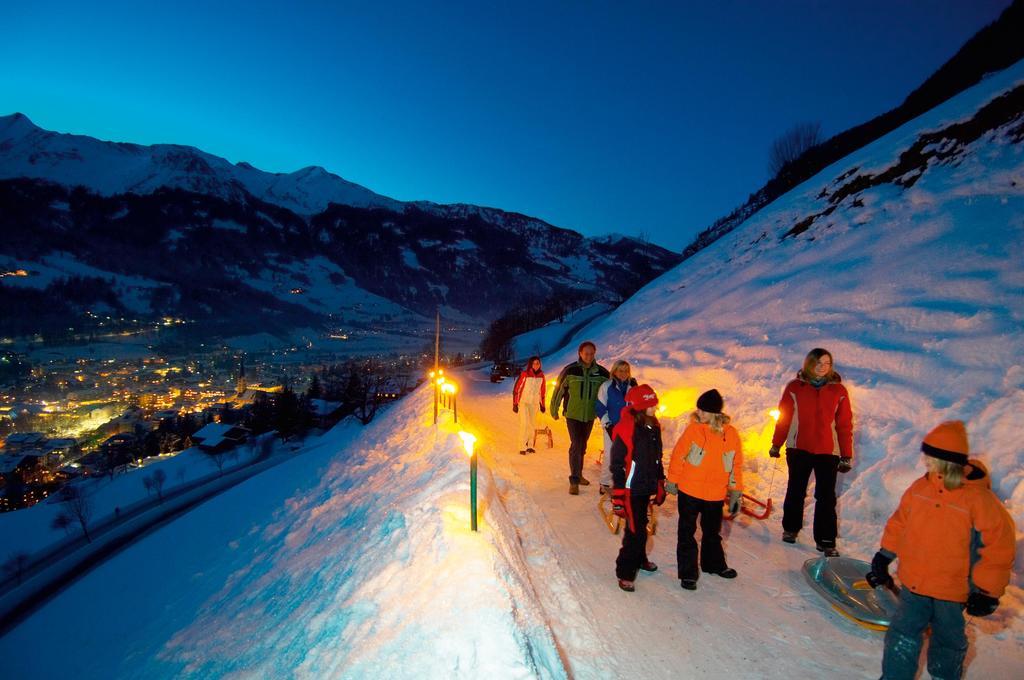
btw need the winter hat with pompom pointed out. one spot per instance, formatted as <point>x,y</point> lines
<point>948,441</point>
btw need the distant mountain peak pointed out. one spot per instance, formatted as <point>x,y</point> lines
<point>16,123</point>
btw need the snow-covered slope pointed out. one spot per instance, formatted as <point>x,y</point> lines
<point>115,168</point>
<point>905,261</point>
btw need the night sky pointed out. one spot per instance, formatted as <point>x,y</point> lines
<point>601,117</point>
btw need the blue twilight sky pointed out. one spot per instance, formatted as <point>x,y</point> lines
<point>629,117</point>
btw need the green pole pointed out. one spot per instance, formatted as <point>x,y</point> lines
<point>472,492</point>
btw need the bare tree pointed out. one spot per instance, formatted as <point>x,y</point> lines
<point>218,458</point>
<point>16,565</point>
<point>792,144</point>
<point>62,521</point>
<point>159,479</point>
<point>78,507</point>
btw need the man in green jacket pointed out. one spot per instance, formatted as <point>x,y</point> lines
<point>574,397</point>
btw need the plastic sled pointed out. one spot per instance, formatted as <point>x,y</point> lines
<point>840,580</point>
<point>614,522</point>
<point>766,508</point>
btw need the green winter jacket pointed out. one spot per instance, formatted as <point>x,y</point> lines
<point>576,392</point>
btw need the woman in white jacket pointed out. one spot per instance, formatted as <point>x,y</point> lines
<point>527,398</point>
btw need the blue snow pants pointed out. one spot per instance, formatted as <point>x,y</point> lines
<point>948,644</point>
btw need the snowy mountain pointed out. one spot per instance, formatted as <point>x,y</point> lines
<point>109,168</point>
<point>355,560</point>
<point>169,230</point>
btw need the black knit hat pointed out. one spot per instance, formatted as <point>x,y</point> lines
<point>710,402</point>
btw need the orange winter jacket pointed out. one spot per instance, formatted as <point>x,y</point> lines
<point>934,532</point>
<point>706,464</point>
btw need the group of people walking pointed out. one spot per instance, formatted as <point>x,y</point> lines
<point>954,539</point>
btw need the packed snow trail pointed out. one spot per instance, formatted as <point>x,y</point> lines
<point>766,623</point>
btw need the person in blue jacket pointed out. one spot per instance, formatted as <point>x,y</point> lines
<point>611,399</point>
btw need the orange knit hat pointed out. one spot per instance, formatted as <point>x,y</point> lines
<point>948,441</point>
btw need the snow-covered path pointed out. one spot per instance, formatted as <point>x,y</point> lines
<point>766,623</point>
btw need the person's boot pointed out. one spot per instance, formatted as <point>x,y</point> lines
<point>649,566</point>
<point>789,536</point>
<point>584,481</point>
<point>828,549</point>
<point>688,583</point>
<point>522,453</point>
<point>728,572</point>
<point>574,489</point>
<point>628,586</point>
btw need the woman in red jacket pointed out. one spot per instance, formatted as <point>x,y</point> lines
<point>816,424</point>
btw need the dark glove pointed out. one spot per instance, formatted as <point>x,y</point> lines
<point>774,452</point>
<point>659,495</point>
<point>879,574</point>
<point>672,488</point>
<point>542,408</point>
<point>554,413</point>
<point>735,498</point>
<point>608,428</point>
<point>980,604</point>
<point>515,408</point>
<point>845,465</point>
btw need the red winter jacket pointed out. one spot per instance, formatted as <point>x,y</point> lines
<point>529,388</point>
<point>815,419</point>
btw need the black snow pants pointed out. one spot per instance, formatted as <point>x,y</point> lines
<point>633,552</point>
<point>825,468</point>
<point>579,433</point>
<point>712,556</point>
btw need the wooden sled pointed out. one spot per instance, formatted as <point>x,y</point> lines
<point>614,522</point>
<point>543,431</point>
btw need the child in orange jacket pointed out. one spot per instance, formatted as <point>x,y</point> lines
<point>706,467</point>
<point>955,543</point>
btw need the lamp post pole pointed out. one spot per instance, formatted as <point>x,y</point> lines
<point>472,492</point>
<point>468,440</point>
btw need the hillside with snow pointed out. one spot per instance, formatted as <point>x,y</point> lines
<point>171,231</point>
<point>355,560</point>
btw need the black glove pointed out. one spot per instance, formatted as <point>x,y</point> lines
<point>980,604</point>
<point>515,408</point>
<point>774,452</point>
<point>845,465</point>
<point>542,408</point>
<point>879,574</point>
<point>608,428</point>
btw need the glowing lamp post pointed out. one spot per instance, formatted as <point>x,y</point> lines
<point>468,440</point>
<point>449,390</point>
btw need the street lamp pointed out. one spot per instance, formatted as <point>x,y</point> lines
<point>468,440</point>
<point>449,390</point>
